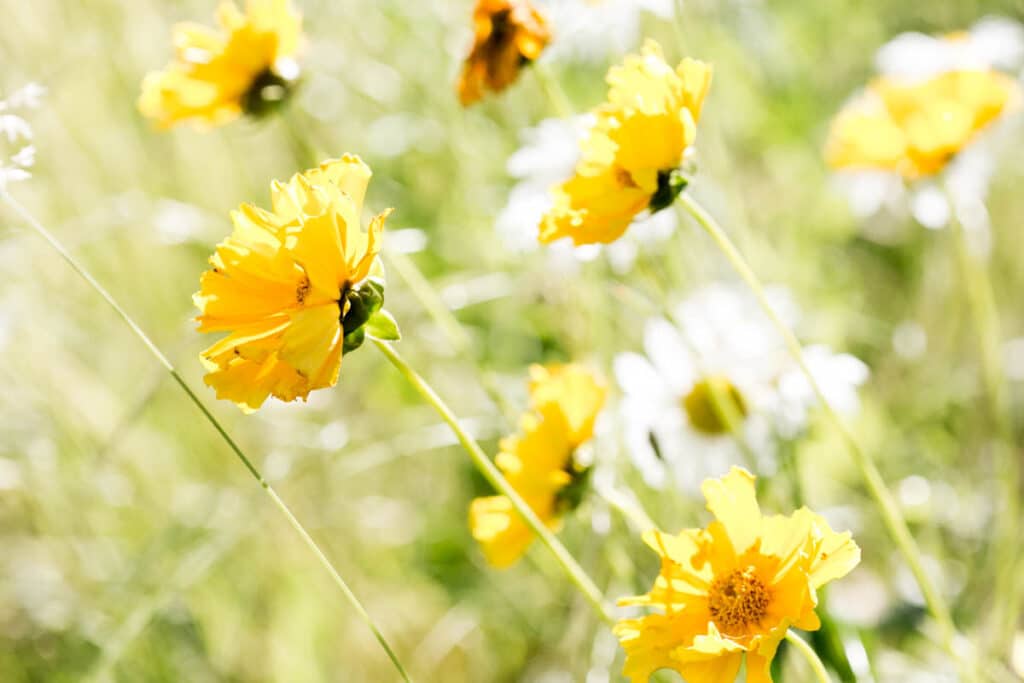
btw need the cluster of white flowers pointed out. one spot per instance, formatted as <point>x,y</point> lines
<point>19,154</point>
<point>992,43</point>
<point>720,334</point>
<point>547,158</point>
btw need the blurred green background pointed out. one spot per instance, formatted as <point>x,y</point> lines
<point>133,547</point>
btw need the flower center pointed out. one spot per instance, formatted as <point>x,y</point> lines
<point>737,600</point>
<point>713,403</point>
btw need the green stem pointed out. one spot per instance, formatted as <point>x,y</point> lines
<point>553,90</point>
<point>626,506</point>
<point>810,655</point>
<point>985,322</point>
<point>235,448</point>
<point>887,506</point>
<point>495,478</point>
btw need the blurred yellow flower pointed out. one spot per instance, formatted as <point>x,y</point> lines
<point>538,462</point>
<point>246,67</point>
<point>916,128</point>
<point>733,589</point>
<point>507,35</point>
<point>631,156</point>
<point>295,286</point>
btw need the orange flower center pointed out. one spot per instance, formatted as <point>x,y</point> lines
<point>737,600</point>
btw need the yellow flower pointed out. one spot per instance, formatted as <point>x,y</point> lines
<point>295,286</point>
<point>538,462</point>
<point>733,589</point>
<point>915,129</point>
<point>507,35</point>
<point>246,67</point>
<point>631,156</point>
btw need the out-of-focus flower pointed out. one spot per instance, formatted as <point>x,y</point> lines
<point>507,35</point>
<point>19,155</point>
<point>548,156</point>
<point>992,43</point>
<point>915,129</point>
<point>631,155</point>
<point>731,590</point>
<point>248,66</point>
<point>296,287</point>
<point>721,349</point>
<point>539,462</point>
<point>591,30</point>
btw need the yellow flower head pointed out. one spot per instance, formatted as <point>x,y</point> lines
<point>915,129</point>
<point>295,287</point>
<point>247,66</point>
<point>733,589</point>
<point>538,462</point>
<point>631,156</point>
<point>507,35</point>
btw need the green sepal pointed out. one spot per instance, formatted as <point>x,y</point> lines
<point>382,326</point>
<point>362,303</point>
<point>571,495</point>
<point>670,184</point>
<point>353,340</point>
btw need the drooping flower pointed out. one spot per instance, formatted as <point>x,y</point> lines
<point>295,287</point>
<point>539,461</point>
<point>721,353</point>
<point>507,35</point>
<point>631,156</point>
<point>731,590</point>
<point>247,67</point>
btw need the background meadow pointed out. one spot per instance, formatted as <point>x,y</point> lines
<point>134,547</point>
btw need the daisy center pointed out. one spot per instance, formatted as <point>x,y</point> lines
<point>737,600</point>
<point>713,403</point>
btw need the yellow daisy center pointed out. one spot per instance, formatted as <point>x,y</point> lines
<point>711,402</point>
<point>737,600</point>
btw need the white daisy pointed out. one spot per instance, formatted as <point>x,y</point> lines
<point>547,158</point>
<point>721,335</point>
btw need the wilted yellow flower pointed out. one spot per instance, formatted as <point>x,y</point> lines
<point>631,156</point>
<point>539,462</point>
<point>507,35</point>
<point>915,129</point>
<point>248,66</point>
<point>733,589</point>
<point>295,286</point>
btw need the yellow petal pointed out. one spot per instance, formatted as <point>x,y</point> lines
<point>732,499</point>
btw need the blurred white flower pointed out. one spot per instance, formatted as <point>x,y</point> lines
<point>548,157</point>
<point>721,335</point>
<point>993,42</point>
<point>593,30</point>
<point>17,157</point>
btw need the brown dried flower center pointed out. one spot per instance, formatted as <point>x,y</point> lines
<point>737,600</point>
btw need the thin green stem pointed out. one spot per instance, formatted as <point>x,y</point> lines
<point>810,655</point>
<point>985,323</point>
<point>887,506</point>
<point>495,478</point>
<point>553,90</point>
<point>232,445</point>
<point>627,506</point>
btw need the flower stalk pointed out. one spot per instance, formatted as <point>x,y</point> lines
<point>886,503</point>
<point>494,477</point>
<point>161,358</point>
<point>810,655</point>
